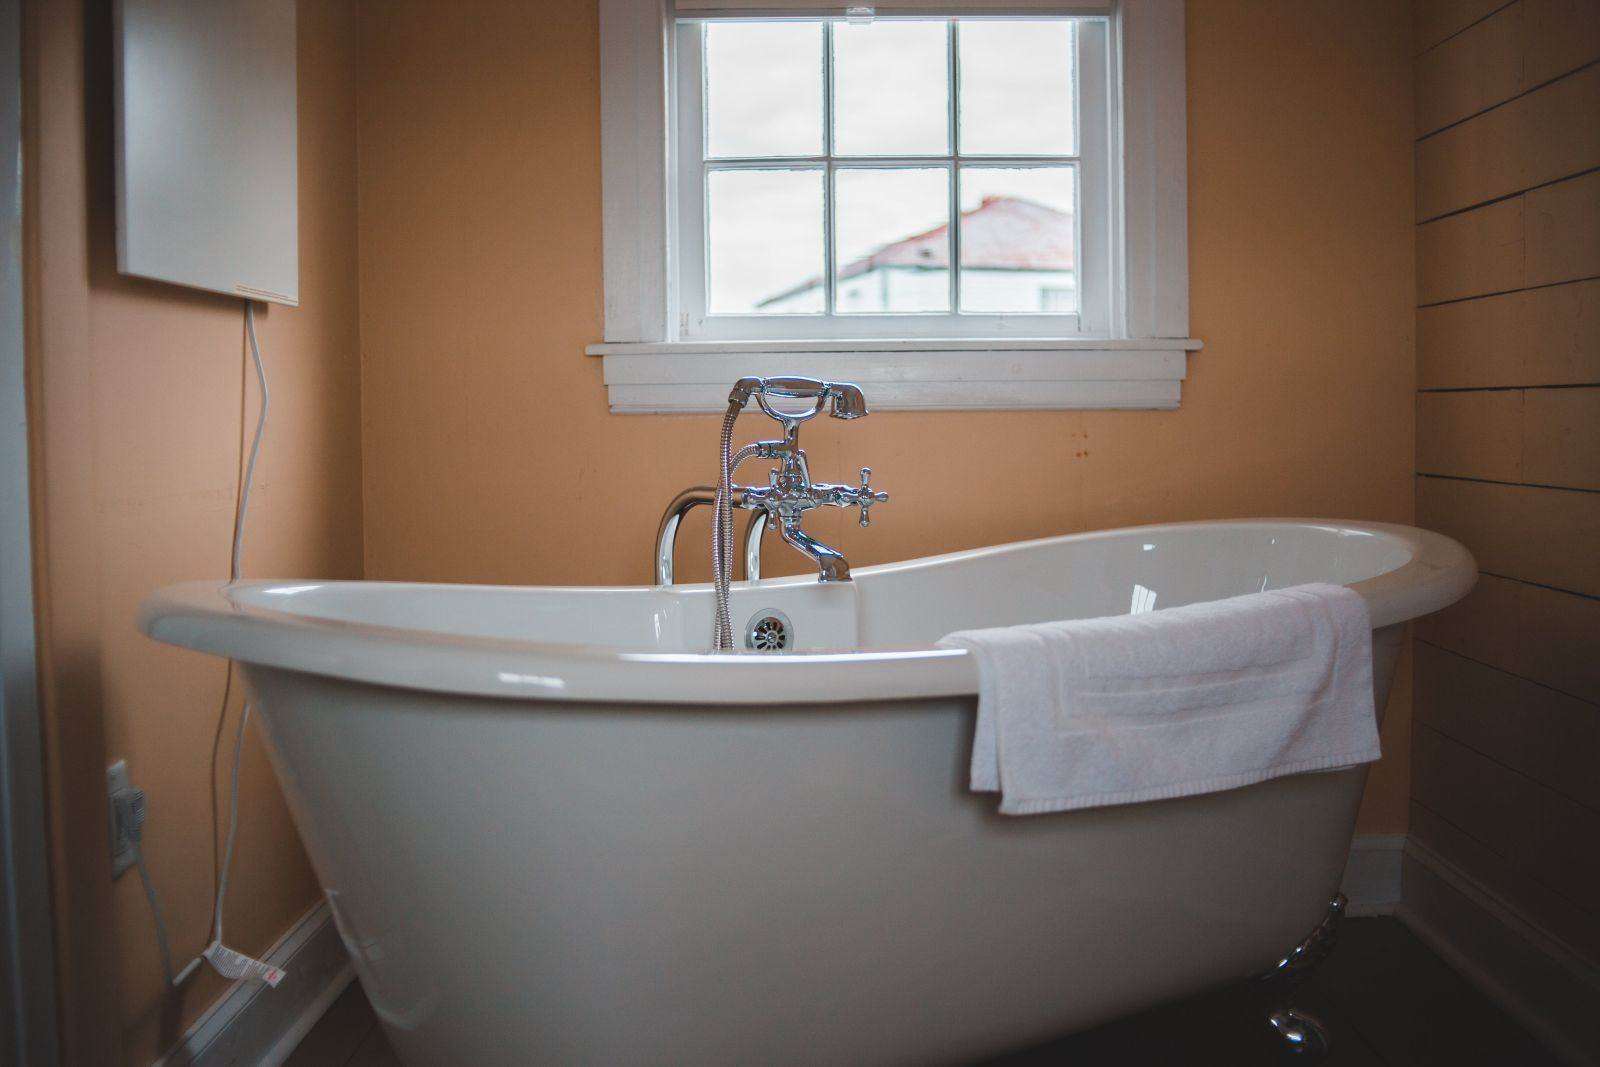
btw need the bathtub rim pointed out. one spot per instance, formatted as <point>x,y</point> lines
<point>202,616</point>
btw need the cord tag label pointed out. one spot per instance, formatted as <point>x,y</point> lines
<point>236,965</point>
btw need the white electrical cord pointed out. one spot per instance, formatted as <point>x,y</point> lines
<point>131,813</point>
<point>225,961</point>
<point>228,963</point>
<point>234,569</point>
<point>233,823</point>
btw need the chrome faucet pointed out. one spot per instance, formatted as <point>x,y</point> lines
<point>790,492</point>
<point>784,500</point>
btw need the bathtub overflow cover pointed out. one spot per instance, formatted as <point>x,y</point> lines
<point>768,631</point>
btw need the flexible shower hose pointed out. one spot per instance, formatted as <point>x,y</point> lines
<point>722,529</point>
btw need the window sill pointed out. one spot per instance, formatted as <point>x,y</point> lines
<point>907,375</point>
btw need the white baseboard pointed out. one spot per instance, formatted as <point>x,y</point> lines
<point>252,1023</point>
<point>1372,876</point>
<point>1546,986</point>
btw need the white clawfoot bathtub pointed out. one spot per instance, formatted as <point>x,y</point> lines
<point>552,831</point>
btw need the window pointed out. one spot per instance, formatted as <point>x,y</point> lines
<point>931,204</point>
<point>821,163</point>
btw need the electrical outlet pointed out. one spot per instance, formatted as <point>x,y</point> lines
<point>122,844</point>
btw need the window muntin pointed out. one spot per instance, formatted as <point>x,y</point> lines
<point>1027,183</point>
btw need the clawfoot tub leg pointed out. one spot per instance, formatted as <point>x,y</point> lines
<point>1301,1034</point>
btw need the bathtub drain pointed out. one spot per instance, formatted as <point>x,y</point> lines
<point>768,631</point>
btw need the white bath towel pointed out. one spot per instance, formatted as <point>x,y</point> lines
<point>1171,703</point>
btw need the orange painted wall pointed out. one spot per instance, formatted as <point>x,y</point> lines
<point>489,454</point>
<point>138,390</point>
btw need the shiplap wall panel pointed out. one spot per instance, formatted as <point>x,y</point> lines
<point>1544,635</point>
<point>1523,820</point>
<point>1578,928</point>
<point>1544,536</point>
<point>1562,230</point>
<point>1560,640</point>
<point>1561,438</point>
<point>1474,70</point>
<point>1543,437</point>
<point>1471,254</point>
<point>1507,733</point>
<point>1434,20</point>
<point>1517,48</point>
<point>1471,435</point>
<point>1541,237</point>
<point>1549,735</point>
<point>1548,336</point>
<point>1560,861</point>
<point>1558,36</point>
<point>1495,804</point>
<point>1547,135</point>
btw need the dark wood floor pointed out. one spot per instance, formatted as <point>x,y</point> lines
<point>1388,999</point>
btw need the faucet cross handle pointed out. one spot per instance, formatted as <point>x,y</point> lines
<point>866,497</point>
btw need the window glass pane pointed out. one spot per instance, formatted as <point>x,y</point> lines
<point>1017,87</point>
<point>1019,240</point>
<point>892,244</point>
<point>764,242</point>
<point>891,88</point>
<point>763,88</point>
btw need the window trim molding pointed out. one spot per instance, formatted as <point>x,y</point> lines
<point>646,370</point>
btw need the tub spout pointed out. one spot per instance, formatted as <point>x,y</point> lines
<point>831,565</point>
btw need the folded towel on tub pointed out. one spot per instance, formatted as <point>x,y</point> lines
<point>1193,699</point>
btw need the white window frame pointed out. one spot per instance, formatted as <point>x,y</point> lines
<point>1135,357</point>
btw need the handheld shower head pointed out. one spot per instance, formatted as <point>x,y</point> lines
<point>843,399</point>
<point>848,403</point>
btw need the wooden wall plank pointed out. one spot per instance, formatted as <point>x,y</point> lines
<point>1470,254</point>
<point>1546,437</point>
<point>1547,336</point>
<point>1539,904</point>
<point>1482,625</point>
<point>1540,237</point>
<point>1525,822</point>
<point>1546,734</point>
<point>1517,48</point>
<point>1543,635</point>
<point>1542,137</point>
<point>1488,800</point>
<point>1563,230</point>
<point>1471,435</point>
<point>1565,858</point>
<point>1476,69</point>
<point>1559,643</point>
<point>1558,36</point>
<point>1561,438</point>
<point>1435,20</point>
<point>1544,536</point>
